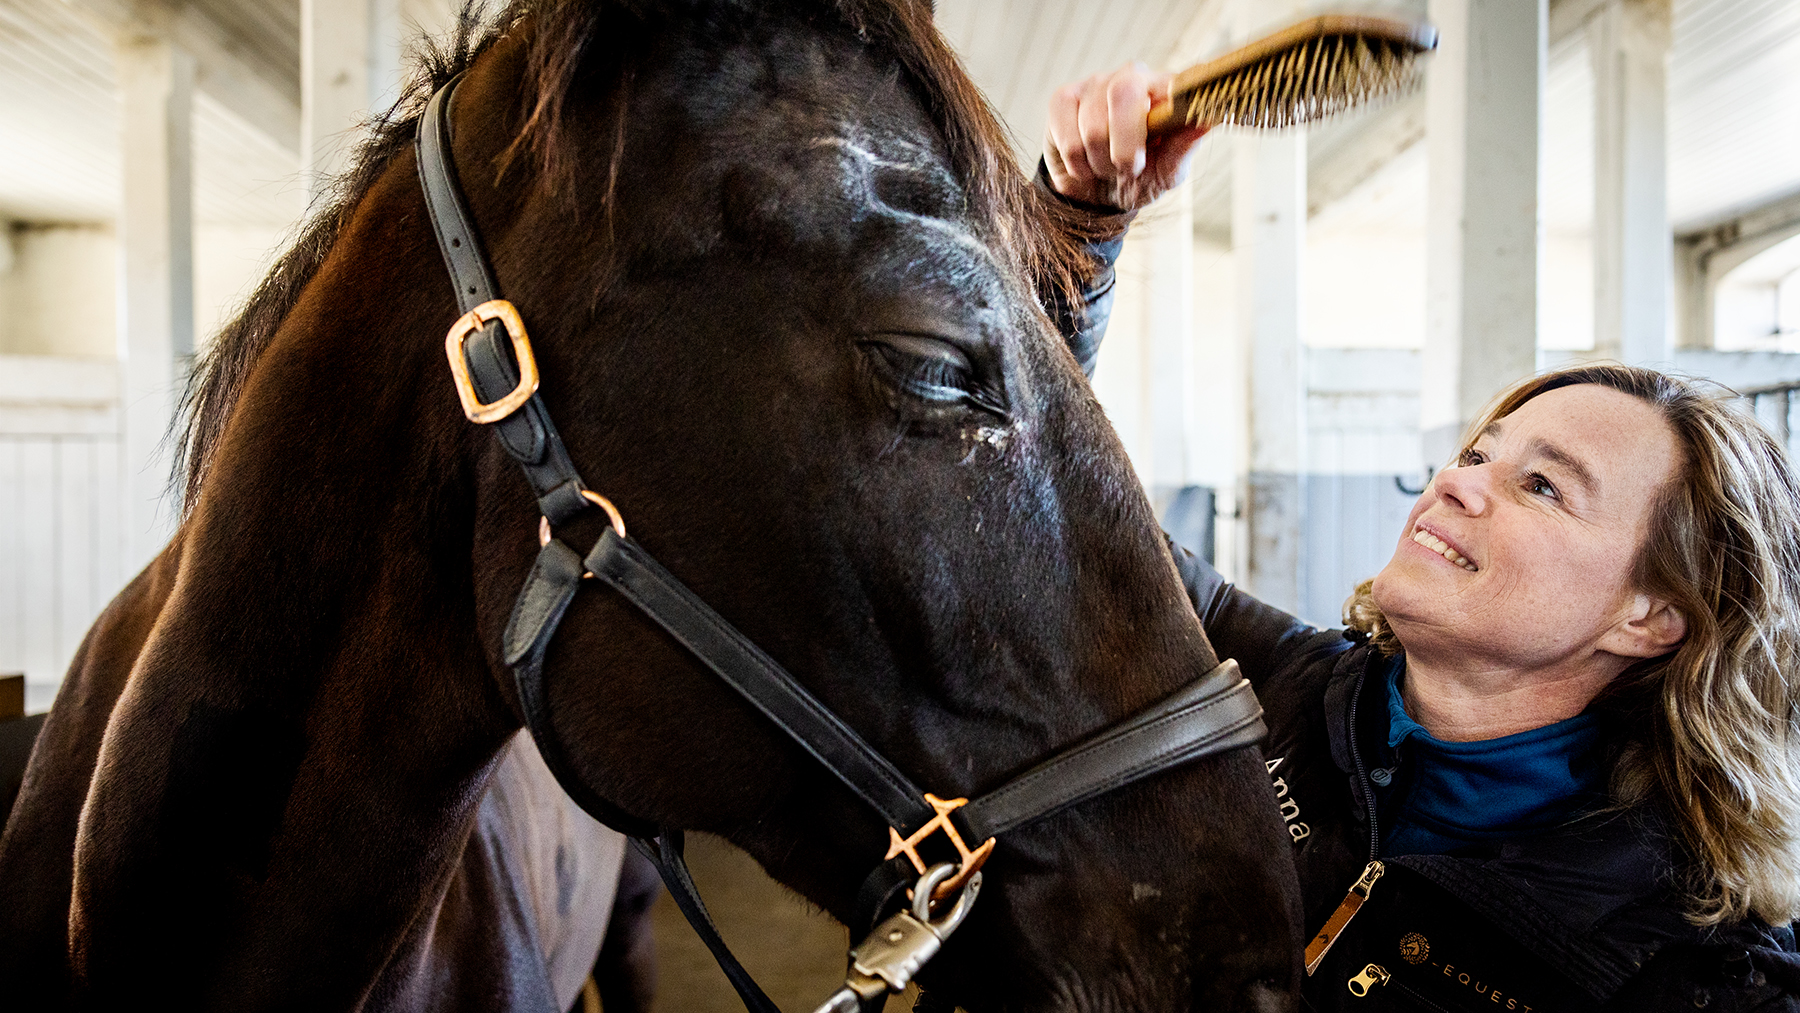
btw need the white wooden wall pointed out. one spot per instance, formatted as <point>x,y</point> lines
<point>61,546</point>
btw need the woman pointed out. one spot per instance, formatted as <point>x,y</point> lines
<point>1556,759</point>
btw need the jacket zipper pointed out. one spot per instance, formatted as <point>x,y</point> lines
<point>1362,772</point>
<point>1340,918</point>
<point>1374,975</point>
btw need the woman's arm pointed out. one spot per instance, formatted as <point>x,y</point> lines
<point>1099,156</point>
<point>1083,323</point>
<point>1261,637</point>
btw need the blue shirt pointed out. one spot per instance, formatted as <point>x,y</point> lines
<point>1442,796</point>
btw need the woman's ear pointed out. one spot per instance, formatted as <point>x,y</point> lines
<point>1652,628</point>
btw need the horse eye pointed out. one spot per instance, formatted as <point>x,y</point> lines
<point>932,370</point>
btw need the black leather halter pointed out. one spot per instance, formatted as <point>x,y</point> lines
<point>1216,713</point>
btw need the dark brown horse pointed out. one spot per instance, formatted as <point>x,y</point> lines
<point>784,286</point>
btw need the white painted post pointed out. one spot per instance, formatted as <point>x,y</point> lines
<point>1268,238</point>
<point>156,312</point>
<point>1484,129</point>
<point>387,37</point>
<point>335,47</point>
<point>1628,42</point>
<point>1166,233</point>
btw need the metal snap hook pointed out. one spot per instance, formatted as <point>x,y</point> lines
<point>965,900</point>
<point>887,960</point>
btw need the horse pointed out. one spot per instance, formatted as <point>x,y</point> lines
<point>785,288</point>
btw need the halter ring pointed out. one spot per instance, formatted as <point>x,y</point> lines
<point>616,519</point>
<point>968,861</point>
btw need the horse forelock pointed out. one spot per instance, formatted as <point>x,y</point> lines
<point>1044,236</point>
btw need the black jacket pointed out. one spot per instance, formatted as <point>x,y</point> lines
<point>1586,917</point>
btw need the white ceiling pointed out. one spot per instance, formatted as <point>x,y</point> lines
<point>58,115</point>
<point>59,127</point>
<point>1734,110</point>
<point>1019,51</point>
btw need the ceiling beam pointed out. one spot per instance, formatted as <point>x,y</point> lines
<point>232,71</point>
<point>1344,153</point>
<point>1705,253</point>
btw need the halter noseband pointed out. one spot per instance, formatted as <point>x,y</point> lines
<point>1216,713</point>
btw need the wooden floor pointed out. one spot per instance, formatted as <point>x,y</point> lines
<point>795,952</point>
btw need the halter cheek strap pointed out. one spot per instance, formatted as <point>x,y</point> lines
<point>482,369</point>
<point>1217,713</point>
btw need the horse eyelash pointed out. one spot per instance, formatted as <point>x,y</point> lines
<point>938,373</point>
<point>938,380</point>
<point>931,375</point>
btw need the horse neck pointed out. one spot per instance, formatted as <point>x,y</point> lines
<point>309,727</point>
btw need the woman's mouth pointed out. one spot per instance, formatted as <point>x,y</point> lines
<point>1442,548</point>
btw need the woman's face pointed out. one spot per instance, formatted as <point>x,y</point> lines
<point>1521,557</point>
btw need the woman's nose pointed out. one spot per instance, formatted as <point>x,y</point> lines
<point>1464,487</point>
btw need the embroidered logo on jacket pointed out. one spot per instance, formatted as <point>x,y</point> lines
<point>1415,949</point>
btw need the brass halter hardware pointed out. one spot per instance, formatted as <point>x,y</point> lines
<point>967,861</point>
<point>612,515</point>
<point>469,323</point>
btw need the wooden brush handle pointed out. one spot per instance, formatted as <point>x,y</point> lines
<point>1167,116</point>
<point>1163,119</point>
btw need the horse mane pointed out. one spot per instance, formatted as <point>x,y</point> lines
<point>1045,235</point>
<point>220,372</point>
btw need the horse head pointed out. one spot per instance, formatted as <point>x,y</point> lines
<point>783,283</point>
<point>802,348</point>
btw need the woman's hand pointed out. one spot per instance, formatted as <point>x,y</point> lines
<point>1096,145</point>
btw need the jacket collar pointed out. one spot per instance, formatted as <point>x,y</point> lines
<point>1594,899</point>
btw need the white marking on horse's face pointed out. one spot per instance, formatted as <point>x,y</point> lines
<point>858,169</point>
<point>993,437</point>
<point>940,251</point>
<point>921,163</point>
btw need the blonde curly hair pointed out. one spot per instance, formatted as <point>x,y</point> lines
<point>1714,736</point>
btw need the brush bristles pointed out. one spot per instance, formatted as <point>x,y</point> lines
<point>1306,82</point>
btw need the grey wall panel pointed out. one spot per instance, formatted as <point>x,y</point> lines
<point>1352,524</point>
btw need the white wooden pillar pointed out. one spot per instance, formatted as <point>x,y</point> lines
<point>335,50</point>
<point>1268,238</point>
<point>156,290</point>
<point>1484,130</point>
<point>1628,42</point>
<point>387,51</point>
<point>1166,236</point>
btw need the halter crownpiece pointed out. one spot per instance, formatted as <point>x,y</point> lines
<point>1218,712</point>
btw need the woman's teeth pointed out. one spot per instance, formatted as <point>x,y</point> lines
<point>1442,548</point>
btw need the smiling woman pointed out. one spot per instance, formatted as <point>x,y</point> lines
<point>1556,758</point>
<point>1638,538</point>
<point>1540,523</point>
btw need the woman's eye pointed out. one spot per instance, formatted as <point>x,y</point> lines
<point>933,370</point>
<point>1469,458</point>
<point>1540,486</point>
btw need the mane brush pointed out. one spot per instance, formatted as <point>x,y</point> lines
<point>1314,69</point>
